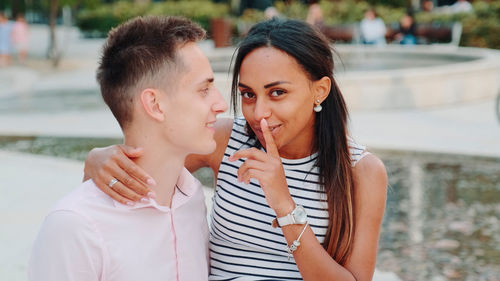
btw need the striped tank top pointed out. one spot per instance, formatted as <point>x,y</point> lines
<point>243,244</point>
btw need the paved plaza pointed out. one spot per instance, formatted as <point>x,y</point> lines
<point>30,184</point>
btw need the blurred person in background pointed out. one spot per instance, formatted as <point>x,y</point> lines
<point>20,38</point>
<point>407,34</point>
<point>5,39</point>
<point>373,29</point>
<point>315,14</point>
<point>428,6</point>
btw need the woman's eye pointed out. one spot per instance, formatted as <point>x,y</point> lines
<point>247,95</point>
<point>277,93</point>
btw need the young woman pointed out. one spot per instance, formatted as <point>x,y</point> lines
<point>290,158</point>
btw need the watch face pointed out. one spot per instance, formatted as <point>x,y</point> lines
<point>300,215</point>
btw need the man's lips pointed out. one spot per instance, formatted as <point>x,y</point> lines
<point>210,125</point>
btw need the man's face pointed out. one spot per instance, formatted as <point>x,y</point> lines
<point>192,109</point>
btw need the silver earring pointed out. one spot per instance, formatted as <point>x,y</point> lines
<point>318,107</point>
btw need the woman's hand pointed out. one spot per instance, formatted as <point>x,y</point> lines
<point>105,164</point>
<point>268,170</point>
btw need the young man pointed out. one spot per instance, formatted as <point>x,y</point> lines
<point>159,86</point>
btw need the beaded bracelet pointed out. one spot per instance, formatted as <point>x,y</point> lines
<point>295,243</point>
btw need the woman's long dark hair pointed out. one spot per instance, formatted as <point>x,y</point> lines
<point>312,51</point>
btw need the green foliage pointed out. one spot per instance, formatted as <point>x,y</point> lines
<point>389,14</point>
<point>481,28</point>
<point>343,12</point>
<point>252,16</point>
<point>389,3</point>
<point>97,21</point>
<point>248,19</point>
<point>90,4</point>
<point>199,11</point>
<point>339,12</point>
<point>293,9</point>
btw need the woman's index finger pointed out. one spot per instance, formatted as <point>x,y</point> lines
<point>268,137</point>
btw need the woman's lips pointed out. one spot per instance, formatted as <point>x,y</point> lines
<point>274,130</point>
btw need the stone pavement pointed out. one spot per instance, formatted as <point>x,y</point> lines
<point>30,184</point>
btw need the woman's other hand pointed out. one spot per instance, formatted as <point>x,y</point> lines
<point>114,162</point>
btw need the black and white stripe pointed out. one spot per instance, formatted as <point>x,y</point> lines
<point>243,244</point>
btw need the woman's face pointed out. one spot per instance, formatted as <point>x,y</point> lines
<point>275,87</point>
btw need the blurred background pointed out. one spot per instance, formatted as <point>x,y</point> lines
<point>421,79</point>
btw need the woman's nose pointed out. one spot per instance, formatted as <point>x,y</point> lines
<point>262,109</point>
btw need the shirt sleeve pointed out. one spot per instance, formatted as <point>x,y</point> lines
<point>67,248</point>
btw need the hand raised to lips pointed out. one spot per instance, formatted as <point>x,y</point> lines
<point>267,168</point>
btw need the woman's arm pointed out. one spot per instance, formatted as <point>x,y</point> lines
<point>104,164</point>
<point>370,184</point>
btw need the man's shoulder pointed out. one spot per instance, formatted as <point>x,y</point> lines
<point>86,196</point>
<point>72,216</point>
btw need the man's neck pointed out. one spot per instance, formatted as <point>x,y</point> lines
<point>163,163</point>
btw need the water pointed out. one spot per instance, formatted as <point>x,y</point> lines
<point>442,220</point>
<point>442,217</point>
<point>53,101</point>
<point>375,60</point>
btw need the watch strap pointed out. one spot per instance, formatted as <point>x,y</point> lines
<point>288,219</point>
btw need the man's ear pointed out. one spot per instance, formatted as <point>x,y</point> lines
<point>321,89</point>
<point>151,103</point>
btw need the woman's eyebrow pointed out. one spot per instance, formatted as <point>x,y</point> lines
<point>244,86</point>
<point>265,86</point>
<point>275,84</point>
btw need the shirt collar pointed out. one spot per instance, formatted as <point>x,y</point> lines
<point>185,188</point>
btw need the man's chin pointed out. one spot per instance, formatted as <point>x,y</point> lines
<point>208,148</point>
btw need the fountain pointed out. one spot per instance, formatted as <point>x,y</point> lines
<point>396,77</point>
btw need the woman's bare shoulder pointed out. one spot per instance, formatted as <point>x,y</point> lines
<point>370,176</point>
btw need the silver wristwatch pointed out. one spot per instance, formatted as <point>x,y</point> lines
<point>297,216</point>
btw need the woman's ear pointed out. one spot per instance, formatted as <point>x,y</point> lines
<point>152,104</point>
<point>321,89</point>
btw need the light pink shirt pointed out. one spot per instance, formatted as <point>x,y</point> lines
<point>89,236</point>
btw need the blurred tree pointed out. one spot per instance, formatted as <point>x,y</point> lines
<point>18,6</point>
<point>255,4</point>
<point>393,3</point>
<point>15,6</point>
<point>53,53</point>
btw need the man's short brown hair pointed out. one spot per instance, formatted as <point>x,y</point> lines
<point>136,53</point>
